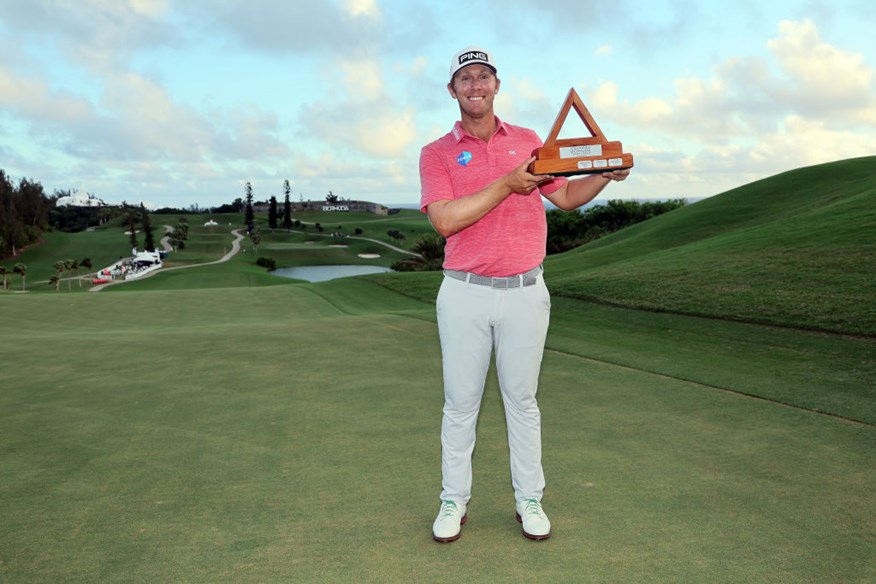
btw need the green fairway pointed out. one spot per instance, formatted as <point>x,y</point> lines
<point>290,433</point>
<point>708,398</point>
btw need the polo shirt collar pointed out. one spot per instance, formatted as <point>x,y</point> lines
<point>459,132</point>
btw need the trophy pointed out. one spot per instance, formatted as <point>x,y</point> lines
<point>571,156</point>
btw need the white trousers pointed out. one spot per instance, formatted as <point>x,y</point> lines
<point>474,320</point>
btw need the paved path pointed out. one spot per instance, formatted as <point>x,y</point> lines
<point>235,248</point>
<point>383,243</point>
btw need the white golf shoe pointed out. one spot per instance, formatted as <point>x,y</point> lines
<point>448,524</point>
<point>536,525</point>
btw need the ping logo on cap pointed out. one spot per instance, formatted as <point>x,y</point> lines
<point>473,56</point>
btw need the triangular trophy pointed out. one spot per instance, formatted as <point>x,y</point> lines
<point>571,156</point>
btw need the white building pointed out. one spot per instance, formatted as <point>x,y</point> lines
<point>80,199</point>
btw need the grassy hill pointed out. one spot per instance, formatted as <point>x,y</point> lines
<point>797,249</point>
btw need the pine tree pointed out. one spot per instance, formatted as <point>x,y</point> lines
<point>287,207</point>
<point>248,217</point>
<point>272,213</point>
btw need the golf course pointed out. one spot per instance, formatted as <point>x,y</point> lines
<point>708,402</point>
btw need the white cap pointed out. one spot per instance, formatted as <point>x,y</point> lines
<point>471,55</point>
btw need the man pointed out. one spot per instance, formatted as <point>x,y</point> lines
<point>480,196</point>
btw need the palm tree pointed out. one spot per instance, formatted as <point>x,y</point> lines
<point>68,265</point>
<point>60,266</point>
<point>55,281</point>
<point>431,249</point>
<point>85,263</point>
<point>21,269</point>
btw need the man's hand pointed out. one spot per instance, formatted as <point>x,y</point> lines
<point>521,181</point>
<point>617,175</point>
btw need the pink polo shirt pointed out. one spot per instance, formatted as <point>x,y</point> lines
<point>511,238</point>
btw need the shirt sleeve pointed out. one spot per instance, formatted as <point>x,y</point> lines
<point>435,181</point>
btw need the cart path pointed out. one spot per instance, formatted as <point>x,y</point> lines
<point>235,249</point>
<point>383,243</point>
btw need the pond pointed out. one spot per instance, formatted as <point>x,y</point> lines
<point>324,273</point>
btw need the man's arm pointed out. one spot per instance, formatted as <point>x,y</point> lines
<point>449,216</point>
<point>575,193</point>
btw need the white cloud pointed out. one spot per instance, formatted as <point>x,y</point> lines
<point>745,100</point>
<point>32,98</point>
<point>357,8</point>
<point>362,78</point>
<point>749,119</point>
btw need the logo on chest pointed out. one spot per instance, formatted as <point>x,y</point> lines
<point>464,158</point>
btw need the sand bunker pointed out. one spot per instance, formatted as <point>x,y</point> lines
<point>369,256</point>
<point>338,245</point>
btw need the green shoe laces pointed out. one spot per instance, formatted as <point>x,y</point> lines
<point>448,508</point>
<point>533,507</point>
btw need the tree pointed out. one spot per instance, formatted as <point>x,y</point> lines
<point>146,224</point>
<point>430,248</point>
<point>68,266</point>
<point>3,273</point>
<point>567,230</point>
<point>24,213</point>
<point>132,226</point>
<point>182,227</point>
<point>56,279</point>
<point>287,206</point>
<point>85,263</point>
<point>256,236</point>
<point>272,213</point>
<point>396,235</point>
<point>21,269</point>
<point>331,198</point>
<point>249,217</point>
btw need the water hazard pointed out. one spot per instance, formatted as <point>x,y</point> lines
<point>324,273</point>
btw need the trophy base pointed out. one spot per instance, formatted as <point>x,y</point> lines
<point>581,156</point>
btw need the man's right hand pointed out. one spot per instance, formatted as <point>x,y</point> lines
<point>523,182</point>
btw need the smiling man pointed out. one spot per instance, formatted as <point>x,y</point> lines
<point>480,196</point>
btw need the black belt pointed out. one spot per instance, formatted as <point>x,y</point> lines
<point>516,281</point>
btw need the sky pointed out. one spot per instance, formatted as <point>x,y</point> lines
<point>182,102</point>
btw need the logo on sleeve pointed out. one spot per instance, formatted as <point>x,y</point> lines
<point>464,158</point>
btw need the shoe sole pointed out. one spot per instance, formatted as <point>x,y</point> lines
<point>452,537</point>
<point>530,535</point>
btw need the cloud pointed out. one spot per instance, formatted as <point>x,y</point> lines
<point>361,116</point>
<point>814,81</point>
<point>97,34</point>
<point>811,103</point>
<point>290,26</point>
<point>818,78</point>
<point>32,98</point>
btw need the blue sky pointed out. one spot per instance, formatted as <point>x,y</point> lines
<point>180,102</point>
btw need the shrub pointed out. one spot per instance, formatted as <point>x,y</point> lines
<point>269,263</point>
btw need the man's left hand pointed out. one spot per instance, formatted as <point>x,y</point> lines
<point>617,174</point>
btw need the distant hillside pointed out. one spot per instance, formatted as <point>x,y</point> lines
<point>797,249</point>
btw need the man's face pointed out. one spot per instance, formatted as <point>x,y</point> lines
<point>474,87</point>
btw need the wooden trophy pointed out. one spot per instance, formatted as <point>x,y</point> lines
<point>571,156</point>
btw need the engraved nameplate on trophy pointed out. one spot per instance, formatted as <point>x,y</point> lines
<point>571,156</point>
